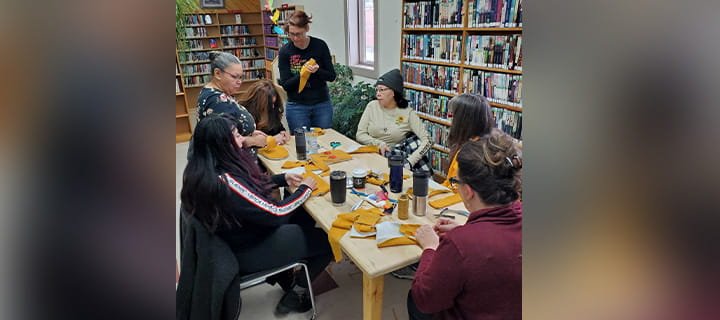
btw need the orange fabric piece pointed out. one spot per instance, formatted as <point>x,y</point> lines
<point>322,186</point>
<point>447,201</point>
<point>367,149</point>
<point>408,230</point>
<point>305,74</point>
<point>345,221</point>
<point>272,150</point>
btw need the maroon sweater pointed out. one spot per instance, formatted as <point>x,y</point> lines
<point>476,272</point>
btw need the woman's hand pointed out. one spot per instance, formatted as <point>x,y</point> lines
<point>427,238</point>
<point>444,225</point>
<point>382,149</point>
<point>313,68</point>
<point>282,138</point>
<point>256,139</point>
<point>310,182</point>
<point>293,179</point>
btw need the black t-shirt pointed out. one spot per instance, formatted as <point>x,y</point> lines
<point>212,100</point>
<point>291,59</point>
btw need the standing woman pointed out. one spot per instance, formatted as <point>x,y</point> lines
<point>263,101</point>
<point>217,97</point>
<point>472,119</point>
<point>387,122</point>
<point>311,106</point>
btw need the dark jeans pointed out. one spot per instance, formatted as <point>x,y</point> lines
<point>297,241</point>
<point>302,115</point>
<point>413,312</point>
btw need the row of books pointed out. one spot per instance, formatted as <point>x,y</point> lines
<point>495,13</point>
<point>284,15</point>
<point>196,68</point>
<point>193,56</point>
<point>438,132</point>
<point>245,52</point>
<point>439,160</point>
<point>270,54</point>
<point>195,44</point>
<point>177,86</point>
<point>254,75</point>
<point>239,42</point>
<point>253,64</point>
<point>508,121</point>
<point>203,19</point>
<point>504,52</point>
<point>433,47</point>
<point>428,103</point>
<point>433,14</point>
<point>496,87</point>
<point>196,32</point>
<point>441,78</point>
<point>234,30</point>
<point>271,42</point>
<point>197,80</point>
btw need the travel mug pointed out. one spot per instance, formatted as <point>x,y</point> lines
<point>420,190</point>
<point>338,184</point>
<point>396,172</point>
<point>300,145</point>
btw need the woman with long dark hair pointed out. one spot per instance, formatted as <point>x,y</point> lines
<point>263,101</point>
<point>224,188</point>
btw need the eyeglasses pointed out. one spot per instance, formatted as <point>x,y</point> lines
<point>378,89</point>
<point>296,35</point>
<point>455,182</point>
<point>236,77</point>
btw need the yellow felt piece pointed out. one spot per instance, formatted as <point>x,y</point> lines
<point>345,220</point>
<point>305,74</point>
<point>322,186</point>
<point>380,180</point>
<point>319,162</point>
<point>446,201</point>
<point>333,156</point>
<point>293,164</point>
<point>367,149</point>
<point>400,241</point>
<point>319,131</point>
<point>272,150</point>
<point>409,229</point>
<point>433,192</point>
<point>334,236</point>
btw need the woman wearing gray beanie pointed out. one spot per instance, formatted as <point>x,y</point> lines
<point>388,123</point>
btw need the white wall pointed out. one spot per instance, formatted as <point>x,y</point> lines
<point>329,25</point>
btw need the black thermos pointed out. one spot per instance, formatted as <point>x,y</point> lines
<point>300,144</point>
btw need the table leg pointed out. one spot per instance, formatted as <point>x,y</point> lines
<point>372,297</point>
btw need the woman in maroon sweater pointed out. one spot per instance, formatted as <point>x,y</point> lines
<point>473,271</point>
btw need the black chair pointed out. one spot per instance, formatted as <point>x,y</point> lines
<point>251,280</point>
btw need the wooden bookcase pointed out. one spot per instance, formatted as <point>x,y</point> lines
<point>432,107</point>
<point>183,130</point>
<point>237,31</point>
<point>273,42</point>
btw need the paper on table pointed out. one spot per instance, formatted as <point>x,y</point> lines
<point>300,170</point>
<point>387,230</point>
<point>351,148</point>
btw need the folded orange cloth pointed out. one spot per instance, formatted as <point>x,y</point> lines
<point>361,219</point>
<point>319,131</point>
<point>332,156</point>
<point>447,201</point>
<point>367,149</point>
<point>319,162</point>
<point>433,192</point>
<point>382,179</point>
<point>322,186</point>
<point>272,150</point>
<point>305,74</point>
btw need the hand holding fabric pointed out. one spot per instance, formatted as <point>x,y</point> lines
<point>427,238</point>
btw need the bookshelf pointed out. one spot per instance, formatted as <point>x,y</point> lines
<point>238,31</point>
<point>272,41</point>
<point>449,47</point>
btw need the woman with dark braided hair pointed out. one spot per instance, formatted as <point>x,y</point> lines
<point>474,271</point>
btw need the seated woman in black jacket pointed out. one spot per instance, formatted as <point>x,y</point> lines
<point>224,189</point>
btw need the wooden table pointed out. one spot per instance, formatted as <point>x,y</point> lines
<point>374,262</point>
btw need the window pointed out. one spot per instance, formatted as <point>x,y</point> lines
<point>361,42</point>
